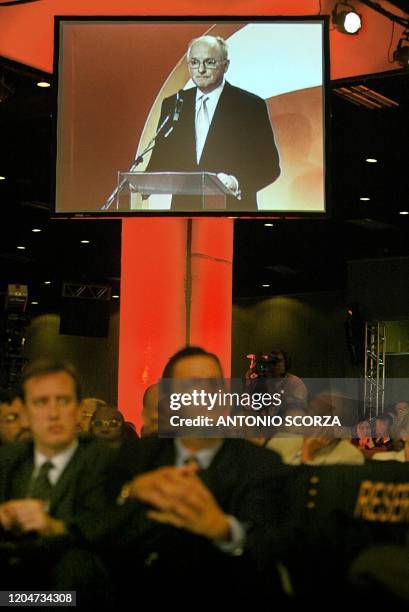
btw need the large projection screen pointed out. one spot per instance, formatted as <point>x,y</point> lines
<point>267,130</point>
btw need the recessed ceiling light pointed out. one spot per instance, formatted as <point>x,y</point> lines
<point>268,224</point>
<point>266,285</point>
<point>34,303</point>
<point>364,199</point>
<point>404,212</point>
<point>47,282</point>
<point>2,178</point>
<point>43,84</point>
<point>84,241</point>
<point>116,297</point>
<point>371,160</point>
<point>21,247</point>
<point>36,230</point>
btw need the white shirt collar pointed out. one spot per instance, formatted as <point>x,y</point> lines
<point>213,97</point>
<point>59,461</point>
<point>204,456</point>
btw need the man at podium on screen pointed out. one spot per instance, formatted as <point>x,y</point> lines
<point>216,127</point>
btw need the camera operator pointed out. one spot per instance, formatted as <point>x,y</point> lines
<point>269,373</point>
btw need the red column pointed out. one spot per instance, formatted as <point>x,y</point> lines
<point>153,317</point>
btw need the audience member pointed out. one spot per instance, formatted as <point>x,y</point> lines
<point>195,504</point>
<point>400,416</point>
<point>150,411</point>
<point>107,424</point>
<point>318,446</point>
<point>12,425</point>
<point>402,455</point>
<point>88,407</point>
<point>51,488</point>
<point>363,439</point>
<point>383,424</point>
<point>275,377</point>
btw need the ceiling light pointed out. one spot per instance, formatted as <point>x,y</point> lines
<point>47,282</point>
<point>266,285</point>
<point>34,303</point>
<point>116,297</point>
<point>371,160</point>
<point>2,178</point>
<point>21,247</point>
<point>346,19</point>
<point>36,230</point>
<point>365,199</point>
<point>43,84</point>
<point>84,241</point>
<point>401,55</point>
<point>268,224</point>
<point>404,212</point>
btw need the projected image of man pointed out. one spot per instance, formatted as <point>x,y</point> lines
<point>217,127</point>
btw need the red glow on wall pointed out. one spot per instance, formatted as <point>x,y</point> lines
<point>152,316</point>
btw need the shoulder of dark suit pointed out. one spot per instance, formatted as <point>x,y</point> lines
<point>87,446</point>
<point>248,96</point>
<point>228,91</point>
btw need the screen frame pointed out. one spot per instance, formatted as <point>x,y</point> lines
<point>263,214</point>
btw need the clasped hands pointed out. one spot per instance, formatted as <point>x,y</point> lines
<point>179,498</point>
<point>29,515</point>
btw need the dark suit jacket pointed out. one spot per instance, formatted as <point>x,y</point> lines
<point>83,488</point>
<point>248,483</point>
<point>240,142</point>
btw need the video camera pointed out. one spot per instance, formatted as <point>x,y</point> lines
<point>261,365</point>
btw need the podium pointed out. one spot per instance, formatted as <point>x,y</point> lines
<point>186,191</point>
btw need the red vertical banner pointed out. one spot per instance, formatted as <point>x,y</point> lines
<point>211,307</point>
<point>152,314</point>
<point>153,317</point>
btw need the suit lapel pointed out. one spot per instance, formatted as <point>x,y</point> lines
<point>218,125</point>
<point>17,469</point>
<point>186,125</point>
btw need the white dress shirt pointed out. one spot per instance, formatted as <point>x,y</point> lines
<point>59,462</point>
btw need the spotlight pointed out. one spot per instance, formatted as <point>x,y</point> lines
<point>346,19</point>
<point>401,55</point>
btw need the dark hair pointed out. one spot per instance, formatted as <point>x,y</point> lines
<point>188,351</point>
<point>41,367</point>
<point>287,363</point>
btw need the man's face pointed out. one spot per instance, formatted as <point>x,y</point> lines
<point>206,76</point>
<point>87,408</point>
<point>107,424</point>
<point>381,428</point>
<point>52,411</point>
<point>12,427</point>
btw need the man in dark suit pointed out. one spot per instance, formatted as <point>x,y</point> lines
<point>51,487</point>
<point>199,505</point>
<point>216,127</point>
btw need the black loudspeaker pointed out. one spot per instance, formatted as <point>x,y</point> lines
<point>82,317</point>
<point>355,333</point>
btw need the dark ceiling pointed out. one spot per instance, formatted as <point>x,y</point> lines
<point>292,256</point>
